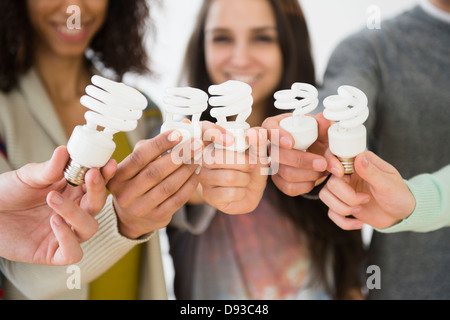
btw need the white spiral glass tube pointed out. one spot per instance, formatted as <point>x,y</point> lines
<point>184,101</point>
<point>114,107</point>
<point>232,98</point>
<point>303,98</point>
<point>347,137</point>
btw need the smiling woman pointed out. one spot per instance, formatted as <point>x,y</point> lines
<point>244,47</point>
<point>18,39</point>
<point>286,248</point>
<point>49,22</point>
<point>44,70</point>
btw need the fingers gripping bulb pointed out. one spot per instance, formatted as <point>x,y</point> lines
<point>347,137</point>
<point>232,98</point>
<point>114,107</point>
<point>303,98</point>
<point>184,101</point>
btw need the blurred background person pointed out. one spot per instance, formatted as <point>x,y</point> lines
<point>44,69</point>
<point>287,248</point>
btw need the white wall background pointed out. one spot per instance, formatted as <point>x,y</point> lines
<point>329,21</point>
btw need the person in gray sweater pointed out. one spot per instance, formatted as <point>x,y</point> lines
<point>404,69</point>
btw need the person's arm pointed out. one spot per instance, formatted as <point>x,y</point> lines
<point>377,195</point>
<point>100,252</point>
<point>42,219</point>
<point>121,225</point>
<point>196,215</point>
<point>146,190</point>
<point>432,210</point>
<point>353,62</point>
<point>151,184</point>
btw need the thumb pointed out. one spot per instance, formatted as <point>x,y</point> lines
<point>43,174</point>
<point>374,170</point>
<point>276,134</point>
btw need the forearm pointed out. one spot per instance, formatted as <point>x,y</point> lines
<point>432,211</point>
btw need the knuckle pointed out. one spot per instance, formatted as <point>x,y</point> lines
<point>136,158</point>
<point>283,172</point>
<point>228,178</point>
<point>167,189</point>
<point>122,200</point>
<point>158,144</point>
<point>153,173</point>
<point>299,161</point>
<point>290,190</point>
<point>332,183</point>
<point>179,200</point>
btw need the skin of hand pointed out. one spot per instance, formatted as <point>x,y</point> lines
<point>299,172</point>
<point>151,184</point>
<point>43,220</point>
<point>233,182</point>
<point>376,194</point>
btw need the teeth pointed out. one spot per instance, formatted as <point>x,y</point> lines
<point>246,79</point>
<point>71,32</point>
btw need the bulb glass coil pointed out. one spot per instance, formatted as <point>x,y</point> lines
<point>347,137</point>
<point>232,98</point>
<point>303,98</point>
<point>114,107</point>
<point>184,101</point>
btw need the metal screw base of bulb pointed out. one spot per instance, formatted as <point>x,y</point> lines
<point>348,165</point>
<point>74,173</point>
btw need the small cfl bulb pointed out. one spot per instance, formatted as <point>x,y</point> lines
<point>232,98</point>
<point>184,101</point>
<point>115,107</point>
<point>347,137</point>
<point>303,128</point>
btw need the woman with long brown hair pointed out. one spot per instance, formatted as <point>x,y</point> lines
<point>287,248</point>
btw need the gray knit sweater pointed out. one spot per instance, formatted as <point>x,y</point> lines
<point>404,68</point>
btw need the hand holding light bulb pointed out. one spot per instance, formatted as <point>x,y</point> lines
<point>185,101</point>
<point>347,137</point>
<point>376,195</point>
<point>34,199</point>
<point>303,129</point>
<point>232,98</point>
<point>115,107</point>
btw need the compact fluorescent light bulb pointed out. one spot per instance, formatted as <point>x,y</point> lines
<point>184,101</point>
<point>232,98</point>
<point>303,128</point>
<point>347,137</point>
<point>115,107</point>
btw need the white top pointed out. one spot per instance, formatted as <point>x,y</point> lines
<point>434,11</point>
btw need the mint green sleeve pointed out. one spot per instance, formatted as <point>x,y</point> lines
<point>432,211</point>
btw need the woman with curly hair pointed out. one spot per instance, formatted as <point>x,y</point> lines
<point>44,67</point>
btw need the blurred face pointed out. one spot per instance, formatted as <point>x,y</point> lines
<point>241,43</point>
<point>58,31</point>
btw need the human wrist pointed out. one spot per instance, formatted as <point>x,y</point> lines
<point>128,226</point>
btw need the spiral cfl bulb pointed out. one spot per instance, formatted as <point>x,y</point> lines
<point>347,137</point>
<point>303,98</point>
<point>184,101</point>
<point>232,98</point>
<point>114,107</point>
